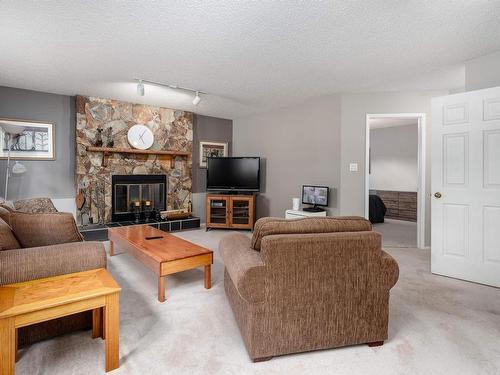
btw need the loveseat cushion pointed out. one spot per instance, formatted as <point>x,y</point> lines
<point>33,230</point>
<point>7,239</point>
<point>270,226</point>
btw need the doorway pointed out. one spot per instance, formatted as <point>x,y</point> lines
<point>395,177</point>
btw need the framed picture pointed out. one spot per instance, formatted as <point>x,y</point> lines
<point>208,149</point>
<point>27,139</point>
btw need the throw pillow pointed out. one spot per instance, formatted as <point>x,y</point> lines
<point>5,214</point>
<point>33,230</point>
<point>7,239</point>
<point>35,206</point>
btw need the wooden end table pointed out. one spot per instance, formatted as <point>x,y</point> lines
<point>36,301</point>
<point>161,252</point>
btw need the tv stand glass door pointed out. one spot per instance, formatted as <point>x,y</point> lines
<point>241,211</point>
<point>218,211</point>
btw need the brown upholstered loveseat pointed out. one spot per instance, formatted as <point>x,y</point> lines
<point>34,246</point>
<point>308,284</point>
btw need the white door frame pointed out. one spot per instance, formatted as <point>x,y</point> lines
<point>420,117</point>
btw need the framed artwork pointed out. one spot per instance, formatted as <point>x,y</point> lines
<point>27,139</point>
<point>208,149</point>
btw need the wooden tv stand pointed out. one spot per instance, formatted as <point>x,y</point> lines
<point>230,211</point>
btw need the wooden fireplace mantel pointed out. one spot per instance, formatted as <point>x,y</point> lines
<point>106,151</point>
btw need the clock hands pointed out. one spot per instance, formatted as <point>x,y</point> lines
<point>140,136</point>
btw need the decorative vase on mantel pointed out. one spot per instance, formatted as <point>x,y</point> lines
<point>109,137</point>
<point>98,138</point>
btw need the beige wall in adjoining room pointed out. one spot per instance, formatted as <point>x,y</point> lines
<point>298,145</point>
<point>353,141</point>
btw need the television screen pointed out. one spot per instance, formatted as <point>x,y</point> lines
<point>233,173</point>
<point>315,195</point>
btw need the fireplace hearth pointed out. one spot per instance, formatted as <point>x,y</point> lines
<point>138,197</point>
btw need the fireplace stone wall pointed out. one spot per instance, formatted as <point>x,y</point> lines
<point>173,130</point>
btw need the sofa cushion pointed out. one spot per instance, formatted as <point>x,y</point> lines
<point>7,239</point>
<point>33,230</point>
<point>269,226</point>
<point>35,206</point>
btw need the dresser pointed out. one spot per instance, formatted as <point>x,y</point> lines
<point>401,205</point>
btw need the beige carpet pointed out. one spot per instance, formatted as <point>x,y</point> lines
<point>397,233</point>
<point>437,326</point>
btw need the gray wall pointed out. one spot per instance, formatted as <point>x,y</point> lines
<point>207,128</point>
<point>55,178</point>
<point>314,142</point>
<point>353,135</point>
<point>298,145</point>
<point>482,72</point>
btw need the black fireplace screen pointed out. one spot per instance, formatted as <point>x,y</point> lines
<point>137,193</point>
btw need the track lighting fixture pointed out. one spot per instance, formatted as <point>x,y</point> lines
<point>197,98</point>
<point>140,89</point>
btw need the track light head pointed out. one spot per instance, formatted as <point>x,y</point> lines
<point>140,88</point>
<point>197,98</point>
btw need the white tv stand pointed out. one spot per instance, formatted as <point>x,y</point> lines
<point>297,214</point>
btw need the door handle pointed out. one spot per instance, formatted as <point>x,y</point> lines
<point>438,194</point>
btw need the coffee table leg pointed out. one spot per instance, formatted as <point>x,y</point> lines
<point>97,329</point>
<point>112,327</point>
<point>7,346</point>
<point>208,276</point>
<point>111,248</point>
<point>162,280</point>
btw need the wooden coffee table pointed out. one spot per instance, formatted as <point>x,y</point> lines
<point>164,255</point>
<point>36,301</point>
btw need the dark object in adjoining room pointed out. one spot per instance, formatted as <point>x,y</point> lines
<point>377,209</point>
<point>109,137</point>
<point>98,138</point>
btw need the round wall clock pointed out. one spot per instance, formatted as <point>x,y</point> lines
<point>140,137</point>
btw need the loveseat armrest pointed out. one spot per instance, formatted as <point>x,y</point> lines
<point>389,271</point>
<point>26,264</point>
<point>244,266</point>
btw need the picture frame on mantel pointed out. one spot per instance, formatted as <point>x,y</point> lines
<point>35,142</point>
<point>211,149</point>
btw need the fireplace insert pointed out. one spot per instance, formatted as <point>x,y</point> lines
<point>138,197</point>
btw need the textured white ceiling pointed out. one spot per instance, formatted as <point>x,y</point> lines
<point>251,55</point>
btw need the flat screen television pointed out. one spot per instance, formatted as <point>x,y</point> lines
<point>317,196</point>
<point>233,174</point>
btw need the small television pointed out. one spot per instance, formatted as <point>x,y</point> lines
<point>233,174</point>
<point>317,196</point>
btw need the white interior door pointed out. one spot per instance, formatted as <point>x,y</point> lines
<point>466,186</point>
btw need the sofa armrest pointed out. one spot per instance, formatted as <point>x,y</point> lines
<point>389,271</point>
<point>244,266</point>
<point>38,262</point>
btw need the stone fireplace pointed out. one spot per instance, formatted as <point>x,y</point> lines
<point>173,131</point>
<point>138,197</point>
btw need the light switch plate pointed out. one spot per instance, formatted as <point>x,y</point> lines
<point>353,167</point>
